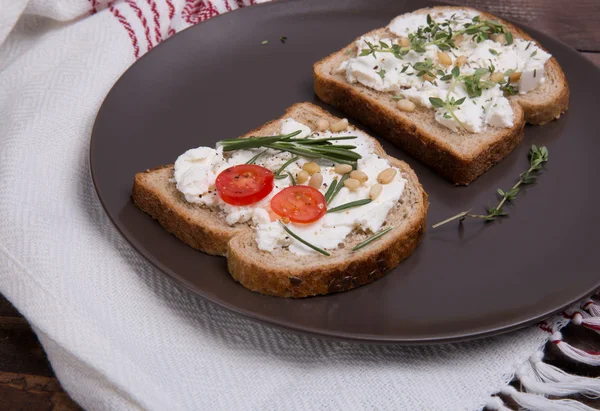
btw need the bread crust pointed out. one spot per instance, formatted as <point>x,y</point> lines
<point>456,164</point>
<point>282,274</point>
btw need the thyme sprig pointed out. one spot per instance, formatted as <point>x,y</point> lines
<point>440,35</point>
<point>538,157</point>
<point>316,148</point>
<point>303,241</point>
<point>450,103</point>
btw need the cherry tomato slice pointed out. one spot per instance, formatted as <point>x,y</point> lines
<point>301,204</point>
<point>244,184</point>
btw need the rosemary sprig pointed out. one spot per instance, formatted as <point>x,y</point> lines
<point>256,142</point>
<point>351,204</point>
<point>338,187</point>
<point>371,239</point>
<point>306,243</point>
<point>278,174</point>
<point>538,156</point>
<point>253,159</point>
<point>305,147</point>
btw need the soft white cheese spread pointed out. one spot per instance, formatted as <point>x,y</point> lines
<point>384,72</point>
<point>197,169</point>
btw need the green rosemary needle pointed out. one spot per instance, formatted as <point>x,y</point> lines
<point>306,243</point>
<point>351,204</point>
<point>253,159</point>
<point>371,239</point>
<point>292,178</point>
<point>339,186</point>
<point>280,170</point>
<point>330,190</point>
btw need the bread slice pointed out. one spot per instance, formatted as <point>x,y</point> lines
<point>281,273</point>
<point>459,156</point>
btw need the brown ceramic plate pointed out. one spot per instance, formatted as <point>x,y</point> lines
<point>216,81</point>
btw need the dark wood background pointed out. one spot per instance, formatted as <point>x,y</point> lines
<point>26,378</point>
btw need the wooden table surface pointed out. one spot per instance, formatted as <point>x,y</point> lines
<point>26,378</point>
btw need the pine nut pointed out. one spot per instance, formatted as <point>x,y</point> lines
<point>359,175</point>
<point>375,191</point>
<point>386,176</point>
<point>406,105</point>
<point>316,180</point>
<point>427,77</point>
<point>311,167</point>
<point>460,61</point>
<point>322,124</point>
<point>404,41</point>
<point>444,59</point>
<point>499,38</point>
<point>285,220</point>
<point>340,125</point>
<point>302,177</point>
<point>459,39</point>
<point>515,77</point>
<point>497,77</point>
<point>352,184</point>
<point>343,168</point>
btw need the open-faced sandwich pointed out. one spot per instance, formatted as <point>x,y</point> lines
<point>452,86</point>
<point>303,205</point>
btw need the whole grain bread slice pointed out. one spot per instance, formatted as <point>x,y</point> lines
<point>281,273</point>
<point>459,156</point>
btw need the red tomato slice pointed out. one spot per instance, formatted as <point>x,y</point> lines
<point>301,204</point>
<point>244,184</point>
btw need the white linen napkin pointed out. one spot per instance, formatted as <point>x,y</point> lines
<point>120,335</point>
